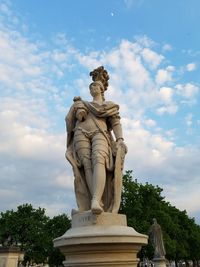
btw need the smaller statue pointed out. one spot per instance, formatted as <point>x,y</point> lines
<point>7,242</point>
<point>156,238</point>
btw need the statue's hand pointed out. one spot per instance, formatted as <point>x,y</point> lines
<point>80,110</point>
<point>81,114</point>
<point>79,105</point>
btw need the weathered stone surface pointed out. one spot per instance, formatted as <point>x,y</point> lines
<point>96,157</point>
<point>99,235</point>
<point>10,256</point>
<point>156,238</point>
<point>159,262</point>
<point>100,240</point>
<point>89,219</point>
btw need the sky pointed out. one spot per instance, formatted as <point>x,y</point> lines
<point>151,50</point>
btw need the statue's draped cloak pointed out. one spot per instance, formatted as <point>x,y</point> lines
<point>156,238</point>
<point>83,197</point>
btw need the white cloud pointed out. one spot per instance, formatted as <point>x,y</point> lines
<point>33,162</point>
<point>160,161</point>
<point>126,63</point>
<point>188,90</point>
<point>37,91</point>
<point>58,207</point>
<point>152,146</point>
<point>59,56</point>
<point>167,104</point>
<point>166,94</point>
<point>167,47</point>
<point>164,75</point>
<point>132,66</point>
<point>31,153</point>
<point>144,40</point>
<point>125,67</point>
<point>189,203</point>
<point>152,58</point>
<point>150,123</point>
<point>172,109</point>
<point>90,61</point>
<point>188,120</point>
<point>26,141</point>
<point>191,67</point>
<point>64,181</point>
<point>113,58</point>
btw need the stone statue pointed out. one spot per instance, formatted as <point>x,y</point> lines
<point>96,156</point>
<point>156,238</point>
<point>8,241</point>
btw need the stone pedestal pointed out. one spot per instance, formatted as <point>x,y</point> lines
<point>9,257</point>
<point>159,262</point>
<point>100,240</point>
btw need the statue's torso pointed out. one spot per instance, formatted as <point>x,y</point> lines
<point>90,123</point>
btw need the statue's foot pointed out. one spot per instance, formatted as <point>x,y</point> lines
<point>96,208</point>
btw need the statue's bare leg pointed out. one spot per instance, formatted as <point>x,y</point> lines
<point>99,179</point>
<point>83,150</point>
<point>88,173</point>
<point>99,154</point>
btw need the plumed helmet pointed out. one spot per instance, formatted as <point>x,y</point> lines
<point>100,75</point>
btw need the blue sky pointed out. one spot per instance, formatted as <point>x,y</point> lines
<point>151,51</point>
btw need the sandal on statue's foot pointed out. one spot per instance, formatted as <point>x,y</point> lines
<point>96,208</point>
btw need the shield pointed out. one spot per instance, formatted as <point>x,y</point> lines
<point>119,163</point>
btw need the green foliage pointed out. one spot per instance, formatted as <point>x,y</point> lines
<point>141,203</point>
<point>56,227</point>
<point>34,232</point>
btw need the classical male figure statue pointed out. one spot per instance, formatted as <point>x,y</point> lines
<point>95,155</point>
<point>156,238</point>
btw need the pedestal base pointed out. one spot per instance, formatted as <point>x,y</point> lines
<point>10,256</point>
<point>159,262</point>
<point>100,240</point>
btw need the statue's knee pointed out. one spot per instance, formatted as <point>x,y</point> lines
<point>98,160</point>
<point>87,163</point>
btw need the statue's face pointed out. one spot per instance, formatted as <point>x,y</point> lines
<point>95,89</point>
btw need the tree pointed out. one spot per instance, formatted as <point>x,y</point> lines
<point>141,203</point>
<point>26,229</point>
<point>34,232</point>
<point>56,227</point>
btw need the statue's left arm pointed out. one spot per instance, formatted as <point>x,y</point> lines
<point>117,130</point>
<point>119,150</point>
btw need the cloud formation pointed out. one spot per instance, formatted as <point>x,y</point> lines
<point>39,81</point>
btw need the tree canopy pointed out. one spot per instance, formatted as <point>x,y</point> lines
<point>141,203</point>
<point>33,231</point>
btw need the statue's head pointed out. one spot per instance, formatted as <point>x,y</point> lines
<point>154,220</point>
<point>96,88</point>
<point>100,78</point>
